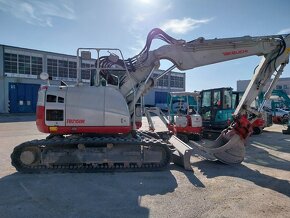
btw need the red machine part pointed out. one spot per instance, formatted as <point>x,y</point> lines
<point>242,126</point>
<point>258,123</point>
<point>187,130</point>
<point>42,127</point>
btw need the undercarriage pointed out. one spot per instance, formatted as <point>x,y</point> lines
<point>92,154</point>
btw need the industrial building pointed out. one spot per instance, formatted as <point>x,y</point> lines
<point>282,84</point>
<point>172,82</point>
<point>20,69</point>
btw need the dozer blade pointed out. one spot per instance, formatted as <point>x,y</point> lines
<point>181,156</point>
<point>228,148</point>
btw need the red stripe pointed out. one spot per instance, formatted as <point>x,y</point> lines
<point>92,129</point>
<point>40,119</point>
<point>187,129</point>
<point>40,123</point>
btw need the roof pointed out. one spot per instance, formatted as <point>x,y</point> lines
<point>34,50</point>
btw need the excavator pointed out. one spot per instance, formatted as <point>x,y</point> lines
<point>217,106</point>
<point>95,128</point>
<point>183,119</point>
<point>272,106</point>
<point>284,100</point>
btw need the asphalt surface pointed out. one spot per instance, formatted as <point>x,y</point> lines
<point>259,187</point>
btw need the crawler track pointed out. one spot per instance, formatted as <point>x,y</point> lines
<point>91,154</point>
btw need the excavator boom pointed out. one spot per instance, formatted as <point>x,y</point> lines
<point>274,49</point>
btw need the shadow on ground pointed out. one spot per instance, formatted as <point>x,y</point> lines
<point>259,156</point>
<point>282,142</point>
<point>261,151</point>
<point>216,169</point>
<point>189,175</point>
<point>83,195</point>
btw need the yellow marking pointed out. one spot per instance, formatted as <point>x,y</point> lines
<point>287,50</point>
<point>53,128</point>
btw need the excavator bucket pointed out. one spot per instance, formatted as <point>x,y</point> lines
<point>181,155</point>
<point>228,148</point>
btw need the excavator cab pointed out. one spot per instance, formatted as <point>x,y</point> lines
<point>236,98</point>
<point>216,109</point>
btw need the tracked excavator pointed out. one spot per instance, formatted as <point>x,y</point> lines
<point>95,128</point>
<point>183,119</point>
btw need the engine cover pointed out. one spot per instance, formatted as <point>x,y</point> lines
<point>75,109</point>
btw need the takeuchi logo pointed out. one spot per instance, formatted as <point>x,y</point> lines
<point>236,52</point>
<point>78,121</point>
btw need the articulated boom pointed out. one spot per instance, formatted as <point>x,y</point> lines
<point>201,52</point>
<point>229,147</point>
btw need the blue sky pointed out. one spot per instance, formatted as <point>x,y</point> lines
<point>62,26</point>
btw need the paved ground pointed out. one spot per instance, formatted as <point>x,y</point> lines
<point>259,187</point>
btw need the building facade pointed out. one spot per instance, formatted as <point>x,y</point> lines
<point>20,69</point>
<point>171,82</point>
<point>282,84</point>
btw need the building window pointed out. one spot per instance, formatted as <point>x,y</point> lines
<point>62,68</point>
<point>72,73</point>
<point>52,67</point>
<point>36,65</point>
<point>86,71</point>
<point>285,86</point>
<point>10,63</point>
<point>23,64</point>
<point>93,70</point>
<point>177,82</point>
<point>163,81</point>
